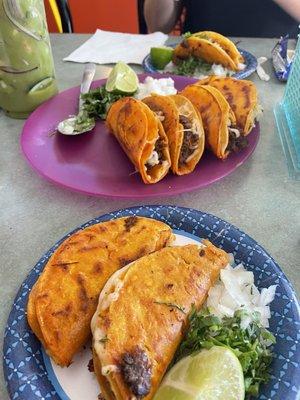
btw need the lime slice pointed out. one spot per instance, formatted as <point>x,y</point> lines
<point>214,374</point>
<point>122,79</point>
<point>41,85</point>
<point>161,56</point>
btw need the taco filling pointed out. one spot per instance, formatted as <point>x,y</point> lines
<point>157,155</point>
<point>190,140</point>
<point>236,141</point>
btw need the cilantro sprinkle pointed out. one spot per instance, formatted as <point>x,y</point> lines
<point>250,345</point>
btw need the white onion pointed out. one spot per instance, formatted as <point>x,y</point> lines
<point>236,291</point>
<point>163,86</point>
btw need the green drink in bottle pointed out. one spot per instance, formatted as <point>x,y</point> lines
<point>27,76</point>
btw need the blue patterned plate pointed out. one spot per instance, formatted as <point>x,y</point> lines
<point>250,61</point>
<point>24,367</point>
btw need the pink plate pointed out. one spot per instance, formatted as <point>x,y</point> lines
<point>95,164</point>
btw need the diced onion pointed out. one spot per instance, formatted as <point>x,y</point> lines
<point>163,86</point>
<point>236,291</point>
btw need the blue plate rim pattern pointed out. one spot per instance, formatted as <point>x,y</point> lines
<point>23,364</point>
<point>251,65</point>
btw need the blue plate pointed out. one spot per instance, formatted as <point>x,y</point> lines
<point>250,61</point>
<point>24,367</point>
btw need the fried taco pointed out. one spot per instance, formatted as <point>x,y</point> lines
<point>65,297</point>
<point>183,126</point>
<point>222,134</point>
<point>242,98</point>
<point>211,47</point>
<point>141,135</point>
<point>142,316</point>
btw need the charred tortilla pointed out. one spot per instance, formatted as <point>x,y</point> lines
<point>221,132</point>
<point>210,47</point>
<point>141,135</point>
<point>65,297</point>
<point>142,316</point>
<point>242,98</point>
<point>183,126</point>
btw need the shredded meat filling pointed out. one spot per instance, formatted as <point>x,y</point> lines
<point>136,372</point>
<point>159,148</point>
<point>190,140</point>
<point>235,143</point>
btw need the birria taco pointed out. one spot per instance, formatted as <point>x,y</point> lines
<point>211,47</point>
<point>183,126</point>
<point>65,297</point>
<point>142,316</point>
<point>141,135</point>
<point>242,98</point>
<point>222,135</point>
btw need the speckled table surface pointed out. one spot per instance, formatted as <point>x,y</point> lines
<point>259,197</point>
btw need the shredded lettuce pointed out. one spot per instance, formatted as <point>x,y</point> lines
<point>250,345</point>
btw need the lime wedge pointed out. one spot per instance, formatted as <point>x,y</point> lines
<point>214,374</point>
<point>161,56</point>
<point>122,79</point>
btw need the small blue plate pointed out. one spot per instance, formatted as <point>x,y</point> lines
<point>24,368</point>
<point>250,61</point>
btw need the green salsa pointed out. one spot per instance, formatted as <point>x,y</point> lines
<point>27,76</point>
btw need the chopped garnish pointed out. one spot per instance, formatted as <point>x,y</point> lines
<point>250,345</point>
<point>186,35</point>
<point>171,305</point>
<point>191,65</point>
<point>97,102</point>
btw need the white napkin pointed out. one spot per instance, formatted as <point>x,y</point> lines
<point>110,47</point>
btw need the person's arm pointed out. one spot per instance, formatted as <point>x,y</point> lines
<point>162,15</point>
<point>292,7</point>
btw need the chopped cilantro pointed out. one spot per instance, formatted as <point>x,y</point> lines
<point>98,101</point>
<point>186,35</point>
<point>251,345</point>
<point>172,305</point>
<point>192,65</point>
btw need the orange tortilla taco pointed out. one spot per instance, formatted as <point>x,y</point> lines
<point>242,98</point>
<point>141,135</point>
<point>222,135</point>
<point>183,126</point>
<point>211,47</point>
<point>142,316</point>
<point>65,297</point>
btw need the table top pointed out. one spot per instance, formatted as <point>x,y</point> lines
<point>259,197</point>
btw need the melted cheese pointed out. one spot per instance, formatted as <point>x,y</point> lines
<point>235,131</point>
<point>153,159</point>
<point>113,283</point>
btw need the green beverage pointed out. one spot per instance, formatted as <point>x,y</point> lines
<point>27,76</point>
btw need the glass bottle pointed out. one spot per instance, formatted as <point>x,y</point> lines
<point>27,76</point>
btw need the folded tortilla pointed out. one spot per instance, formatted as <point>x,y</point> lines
<point>211,47</point>
<point>141,135</point>
<point>65,297</point>
<point>242,98</point>
<point>222,134</point>
<point>183,126</point>
<point>142,316</point>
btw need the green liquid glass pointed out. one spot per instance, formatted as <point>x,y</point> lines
<point>27,76</point>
